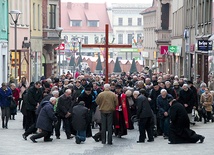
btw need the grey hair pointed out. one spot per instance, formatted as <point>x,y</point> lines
<point>13,84</point>
<point>167,82</point>
<point>203,85</point>
<point>55,92</point>
<point>185,85</point>
<point>52,99</point>
<point>49,80</point>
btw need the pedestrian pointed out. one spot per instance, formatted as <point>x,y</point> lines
<point>34,97</point>
<point>5,99</point>
<point>15,96</point>
<point>80,121</point>
<point>107,102</point>
<point>22,86</point>
<point>45,120</point>
<point>179,130</point>
<point>64,110</point>
<point>145,117</point>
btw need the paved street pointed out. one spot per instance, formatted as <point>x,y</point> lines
<point>12,143</point>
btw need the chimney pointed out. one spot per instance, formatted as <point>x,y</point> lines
<point>86,5</point>
<point>69,5</point>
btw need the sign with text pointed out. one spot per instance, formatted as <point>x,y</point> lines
<point>204,45</point>
<point>173,49</point>
<point>164,50</point>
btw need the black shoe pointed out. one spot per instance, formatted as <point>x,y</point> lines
<point>95,138</point>
<point>24,136</point>
<point>166,137</point>
<point>110,143</point>
<point>78,141</point>
<point>150,140</point>
<point>103,142</point>
<point>33,140</point>
<point>70,137</point>
<point>6,127</point>
<point>140,141</point>
<point>201,139</point>
<point>57,137</point>
<point>192,123</point>
<point>119,136</point>
<point>48,140</point>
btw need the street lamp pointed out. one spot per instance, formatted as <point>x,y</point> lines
<point>15,16</point>
<point>59,31</point>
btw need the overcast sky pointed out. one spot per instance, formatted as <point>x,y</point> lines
<point>110,1</point>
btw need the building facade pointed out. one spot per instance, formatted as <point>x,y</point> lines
<point>23,36</point>
<point>36,39</point>
<point>177,38</point>
<point>4,41</point>
<point>51,11</point>
<point>149,27</point>
<point>127,24</point>
<point>198,25</point>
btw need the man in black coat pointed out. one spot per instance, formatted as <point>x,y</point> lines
<point>80,121</point>
<point>187,100</point>
<point>145,116</point>
<point>86,96</point>
<point>45,120</point>
<point>64,110</point>
<point>34,97</point>
<point>179,130</point>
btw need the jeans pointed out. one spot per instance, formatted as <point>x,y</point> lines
<point>81,135</point>
<point>106,121</point>
<point>164,124</point>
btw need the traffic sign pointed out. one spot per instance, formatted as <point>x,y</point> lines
<point>60,47</point>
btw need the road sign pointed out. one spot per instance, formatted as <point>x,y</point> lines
<point>60,47</point>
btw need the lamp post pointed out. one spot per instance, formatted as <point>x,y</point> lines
<point>59,31</point>
<point>15,16</point>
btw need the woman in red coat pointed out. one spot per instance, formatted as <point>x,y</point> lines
<point>15,92</point>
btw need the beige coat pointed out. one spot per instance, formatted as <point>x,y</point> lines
<point>107,101</point>
<point>207,101</point>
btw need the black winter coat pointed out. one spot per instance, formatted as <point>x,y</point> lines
<point>87,99</point>
<point>34,96</point>
<point>80,117</point>
<point>186,97</point>
<point>65,104</point>
<point>46,117</point>
<point>143,107</point>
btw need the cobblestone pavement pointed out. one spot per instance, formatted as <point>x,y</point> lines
<point>12,143</point>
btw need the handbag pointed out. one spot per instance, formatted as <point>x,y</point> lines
<point>13,104</point>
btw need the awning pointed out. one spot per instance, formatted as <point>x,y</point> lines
<point>204,37</point>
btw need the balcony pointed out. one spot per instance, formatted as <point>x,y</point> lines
<point>163,36</point>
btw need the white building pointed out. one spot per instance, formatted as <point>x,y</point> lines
<point>127,24</point>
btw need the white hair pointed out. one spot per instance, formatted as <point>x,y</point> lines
<point>163,90</point>
<point>136,92</point>
<point>185,85</point>
<point>49,80</point>
<point>52,99</point>
<point>106,86</point>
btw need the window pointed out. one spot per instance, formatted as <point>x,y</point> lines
<point>86,39</point>
<point>34,16</point>
<point>129,38</point>
<point>93,23</point>
<point>120,38</point>
<point>139,22</point>
<point>52,16</point>
<point>76,23</point>
<point>129,21</point>
<point>3,18</point>
<point>39,18</point>
<point>120,21</point>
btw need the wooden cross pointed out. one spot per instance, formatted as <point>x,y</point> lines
<point>106,46</point>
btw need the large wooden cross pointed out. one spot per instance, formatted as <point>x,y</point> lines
<point>106,46</point>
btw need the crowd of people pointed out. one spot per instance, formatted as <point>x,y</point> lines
<point>161,104</point>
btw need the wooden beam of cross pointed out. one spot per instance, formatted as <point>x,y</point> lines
<point>106,46</point>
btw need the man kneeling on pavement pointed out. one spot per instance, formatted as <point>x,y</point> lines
<point>45,120</point>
